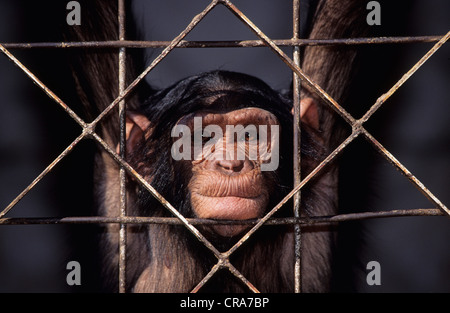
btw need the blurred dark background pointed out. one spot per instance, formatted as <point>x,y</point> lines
<point>413,124</point>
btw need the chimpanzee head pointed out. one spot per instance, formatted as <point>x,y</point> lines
<point>217,146</point>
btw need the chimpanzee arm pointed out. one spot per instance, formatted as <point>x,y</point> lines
<point>96,70</point>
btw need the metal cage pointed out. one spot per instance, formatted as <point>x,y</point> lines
<point>299,77</point>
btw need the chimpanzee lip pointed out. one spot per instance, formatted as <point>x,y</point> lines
<point>228,207</point>
<point>231,195</point>
<point>212,184</point>
<point>243,186</point>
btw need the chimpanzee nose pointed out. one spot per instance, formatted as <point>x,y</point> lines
<point>232,166</point>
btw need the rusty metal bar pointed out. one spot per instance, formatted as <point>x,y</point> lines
<point>72,114</point>
<point>372,215</point>
<point>416,182</point>
<point>122,152</point>
<point>305,221</point>
<point>156,194</point>
<point>225,263</point>
<point>123,163</point>
<point>239,275</point>
<point>222,44</point>
<point>313,173</point>
<point>158,59</point>
<point>383,150</point>
<point>41,85</point>
<point>296,89</point>
<point>42,175</point>
<point>357,128</point>
<point>88,130</point>
<point>309,83</point>
<point>208,276</point>
<point>405,77</point>
<point>178,42</point>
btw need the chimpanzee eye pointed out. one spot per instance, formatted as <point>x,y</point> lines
<point>249,137</point>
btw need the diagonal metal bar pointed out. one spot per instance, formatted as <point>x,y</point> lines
<point>123,92</point>
<point>224,262</point>
<point>66,108</point>
<point>41,85</point>
<point>355,124</point>
<point>416,182</point>
<point>207,277</point>
<point>156,194</point>
<point>309,83</point>
<point>157,60</point>
<point>42,175</point>
<point>405,77</point>
<point>313,173</point>
<point>241,277</point>
<point>87,129</point>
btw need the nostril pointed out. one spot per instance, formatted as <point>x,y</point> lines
<point>231,165</point>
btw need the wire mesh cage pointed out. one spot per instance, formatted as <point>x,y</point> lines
<point>292,61</point>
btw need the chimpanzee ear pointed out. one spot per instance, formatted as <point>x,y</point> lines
<point>309,113</point>
<point>136,127</point>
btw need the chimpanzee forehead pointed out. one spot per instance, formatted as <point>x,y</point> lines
<point>245,116</point>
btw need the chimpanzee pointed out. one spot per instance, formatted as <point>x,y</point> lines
<point>178,139</point>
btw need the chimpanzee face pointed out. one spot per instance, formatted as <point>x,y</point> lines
<point>228,153</point>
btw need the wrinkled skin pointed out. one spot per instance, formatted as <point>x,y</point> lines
<point>223,186</point>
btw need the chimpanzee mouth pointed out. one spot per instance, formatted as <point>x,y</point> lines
<point>230,207</point>
<point>237,194</point>
<point>231,210</point>
<point>246,185</point>
<point>222,197</point>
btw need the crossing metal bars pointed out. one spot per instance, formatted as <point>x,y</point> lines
<point>299,78</point>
